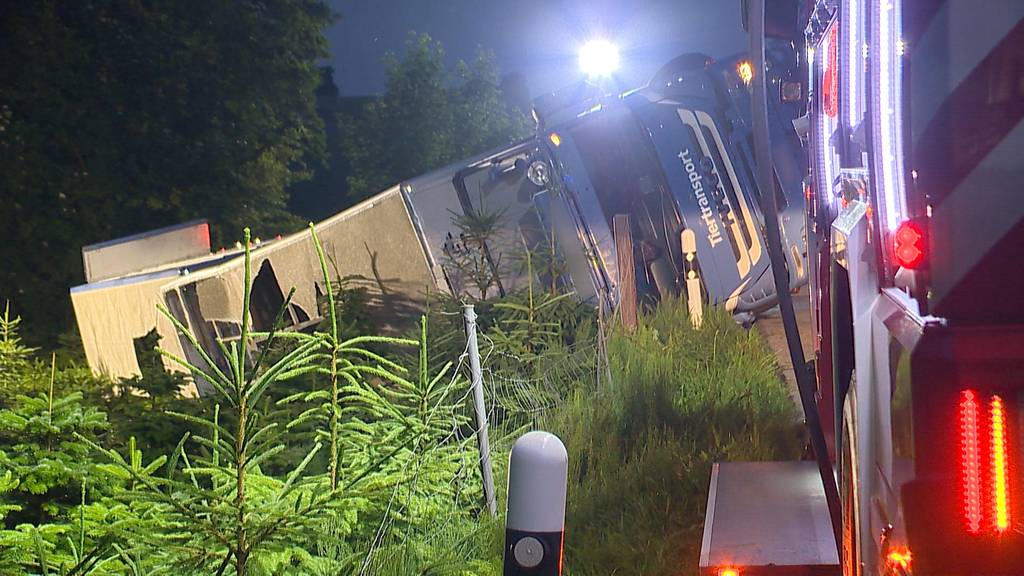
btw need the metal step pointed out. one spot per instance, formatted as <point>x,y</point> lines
<point>767,518</point>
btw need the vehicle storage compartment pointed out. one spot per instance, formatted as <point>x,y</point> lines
<point>767,518</point>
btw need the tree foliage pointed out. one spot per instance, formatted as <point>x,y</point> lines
<point>428,117</point>
<point>15,358</point>
<point>118,117</point>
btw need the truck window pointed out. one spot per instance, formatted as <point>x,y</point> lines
<point>619,160</point>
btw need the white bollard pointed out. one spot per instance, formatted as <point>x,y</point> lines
<point>535,524</point>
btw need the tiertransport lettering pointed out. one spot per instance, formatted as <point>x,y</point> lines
<point>697,182</point>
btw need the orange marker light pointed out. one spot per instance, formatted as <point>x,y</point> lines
<point>555,139</point>
<point>899,558</point>
<point>745,71</point>
<point>1000,467</point>
<point>728,572</point>
<point>970,460</point>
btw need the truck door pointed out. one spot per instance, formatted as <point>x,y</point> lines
<point>496,197</point>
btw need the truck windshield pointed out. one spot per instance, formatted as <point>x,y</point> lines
<point>620,163</point>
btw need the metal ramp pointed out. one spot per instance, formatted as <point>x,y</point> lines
<point>767,518</point>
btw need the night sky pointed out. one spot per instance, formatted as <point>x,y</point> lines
<point>536,38</point>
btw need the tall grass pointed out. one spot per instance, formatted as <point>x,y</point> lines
<point>641,446</point>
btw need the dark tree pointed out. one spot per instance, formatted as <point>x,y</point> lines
<point>428,117</point>
<point>324,193</point>
<point>118,116</point>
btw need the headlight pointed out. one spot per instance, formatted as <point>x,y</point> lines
<point>539,173</point>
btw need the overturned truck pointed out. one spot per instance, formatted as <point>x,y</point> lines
<point>669,168</point>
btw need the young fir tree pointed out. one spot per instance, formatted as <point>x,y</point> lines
<point>221,513</point>
<point>53,514</point>
<point>15,357</point>
<point>385,432</point>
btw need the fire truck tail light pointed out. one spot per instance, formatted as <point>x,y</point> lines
<point>970,461</point>
<point>1000,466</point>
<point>909,245</point>
<point>985,483</point>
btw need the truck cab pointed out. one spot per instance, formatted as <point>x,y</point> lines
<point>674,156</point>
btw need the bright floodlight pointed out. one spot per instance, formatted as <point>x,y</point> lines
<point>599,58</point>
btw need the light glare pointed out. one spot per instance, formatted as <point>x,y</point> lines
<point>899,558</point>
<point>599,58</point>
<point>887,116</point>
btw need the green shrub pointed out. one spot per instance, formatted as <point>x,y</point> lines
<point>395,488</point>
<point>641,448</point>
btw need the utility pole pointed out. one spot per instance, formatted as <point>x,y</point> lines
<point>477,383</point>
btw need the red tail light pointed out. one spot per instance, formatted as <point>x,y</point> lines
<point>830,82</point>
<point>909,245</point>
<point>984,477</point>
<point>970,460</point>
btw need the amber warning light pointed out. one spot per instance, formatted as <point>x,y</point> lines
<point>746,73</point>
<point>899,559</point>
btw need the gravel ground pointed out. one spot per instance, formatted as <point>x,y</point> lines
<point>769,324</point>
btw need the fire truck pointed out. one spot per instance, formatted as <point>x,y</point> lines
<point>914,398</point>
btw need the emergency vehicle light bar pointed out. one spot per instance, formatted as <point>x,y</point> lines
<point>887,111</point>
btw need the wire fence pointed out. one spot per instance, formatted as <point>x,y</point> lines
<point>519,391</point>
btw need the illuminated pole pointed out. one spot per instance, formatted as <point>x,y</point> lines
<point>694,298</point>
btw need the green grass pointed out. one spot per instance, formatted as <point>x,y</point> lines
<point>640,443</point>
<point>641,448</point>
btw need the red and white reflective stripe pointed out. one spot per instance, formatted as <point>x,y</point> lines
<point>959,36</point>
<point>979,212</point>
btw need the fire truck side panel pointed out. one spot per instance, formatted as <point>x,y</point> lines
<point>966,104</point>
